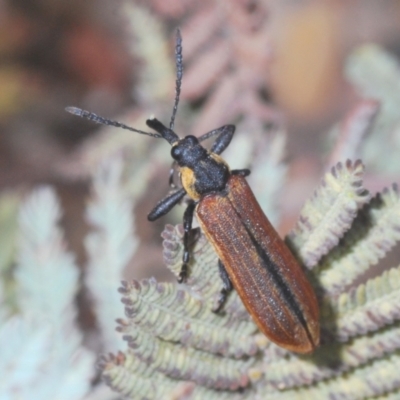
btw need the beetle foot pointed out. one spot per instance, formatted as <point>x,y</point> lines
<point>221,301</point>
<point>183,274</point>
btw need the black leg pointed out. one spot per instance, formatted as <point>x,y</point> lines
<point>187,227</point>
<point>241,172</point>
<point>165,205</point>
<point>226,287</point>
<point>224,133</point>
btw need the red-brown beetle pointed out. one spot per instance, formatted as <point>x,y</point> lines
<point>253,259</point>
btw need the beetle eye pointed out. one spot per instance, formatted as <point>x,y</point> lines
<point>191,140</point>
<point>176,152</point>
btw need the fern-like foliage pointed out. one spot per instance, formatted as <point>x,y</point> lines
<point>375,73</point>
<point>110,245</point>
<point>178,348</point>
<point>173,336</point>
<point>329,213</point>
<point>40,344</point>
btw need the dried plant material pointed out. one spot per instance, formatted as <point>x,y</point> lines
<point>108,143</point>
<point>373,234</point>
<point>148,43</point>
<point>375,73</point>
<point>223,101</point>
<point>200,28</point>
<point>353,131</point>
<point>329,214</point>
<point>231,70</point>
<point>206,71</point>
<point>175,8</point>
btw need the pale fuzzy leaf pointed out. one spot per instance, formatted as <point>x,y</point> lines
<point>201,393</point>
<point>328,370</point>
<point>333,359</point>
<point>240,152</point>
<point>375,231</point>
<point>24,348</point>
<point>186,363</point>
<point>329,213</point>
<point>376,74</point>
<point>208,69</point>
<point>102,392</point>
<point>9,203</point>
<point>42,350</point>
<point>395,395</point>
<point>111,142</point>
<point>5,309</point>
<point>372,380</point>
<point>366,308</point>
<point>136,380</point>
<point>204,279</point>
<point>46,275</point>
<point>149,305</point>
<point>353,130</point>
<point>269,174</point>
<point>264,155</point>
<point>286,370</point>
<point>110,246</point>
<point>54,372</point>
<point>39,215</point>
<point>148,43</point>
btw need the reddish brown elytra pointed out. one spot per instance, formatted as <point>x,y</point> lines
<point>267,277</point>
<point>253,259</point>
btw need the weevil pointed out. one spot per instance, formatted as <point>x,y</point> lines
<point>253,259</point>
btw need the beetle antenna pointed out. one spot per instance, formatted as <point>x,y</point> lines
<point>105,121</point>
<point>179,74</point>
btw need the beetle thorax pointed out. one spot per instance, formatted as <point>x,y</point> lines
<point>201,171</point>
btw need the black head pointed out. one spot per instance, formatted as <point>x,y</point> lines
<point>187,152</point>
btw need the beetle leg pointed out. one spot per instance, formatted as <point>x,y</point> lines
<point>226,287</point>
<point>241,172</point>
<point>187,227</point>
<point>224,133</point>
<point>165,205</point>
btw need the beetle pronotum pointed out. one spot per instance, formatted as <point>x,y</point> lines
<point>253,259</point>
